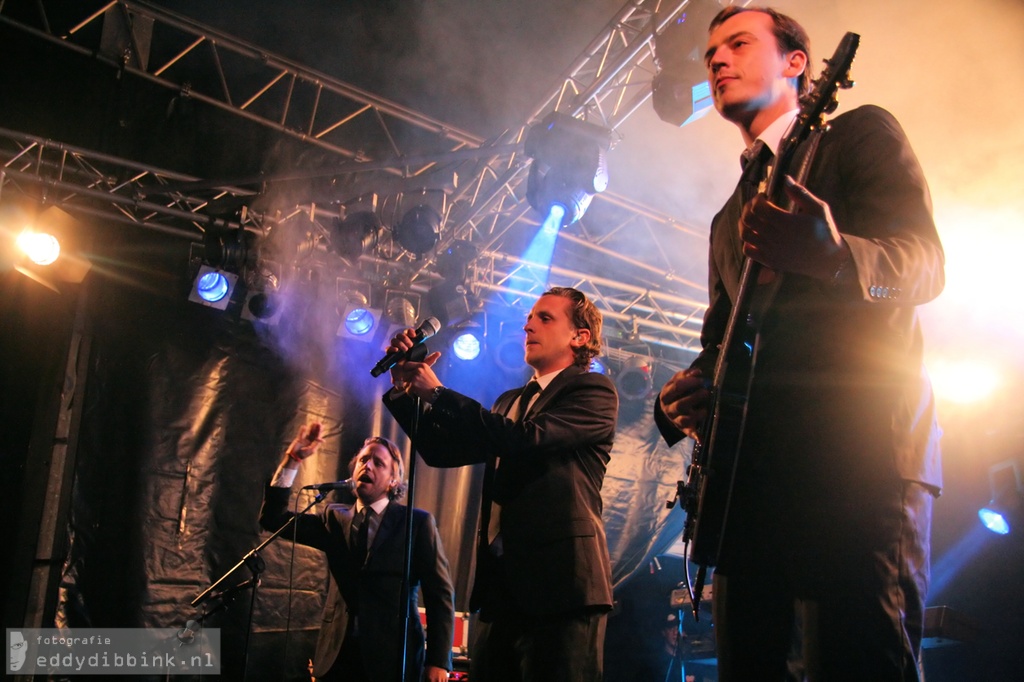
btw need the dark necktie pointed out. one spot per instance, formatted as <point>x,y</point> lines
<point>755,162</point>
<point>493,525</point>
<point>532,389</point>
<point>361,535</point>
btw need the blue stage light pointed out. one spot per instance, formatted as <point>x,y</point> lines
<point>994,521</point>
<point>212,286</point>
<point>569,165</point>
<point>598,367</point>
<point>1006,508</point>
<point>466,346</point>
<point>360,321</point>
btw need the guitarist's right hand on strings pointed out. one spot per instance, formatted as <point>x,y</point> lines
<point>684,401</point>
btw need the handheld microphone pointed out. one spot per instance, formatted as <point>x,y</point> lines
<point>347,484</point>
<point>187,634</point>
<point>427,328</point>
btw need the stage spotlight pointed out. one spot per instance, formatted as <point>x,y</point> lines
<point>355,235</point>
<point>213,287</point>
<point>418,230</point>
<point>680,91</point>
<point>400,308</point>
<point>635,379</point>
<point>598,367</point>
<point>263,302</point>
<point>467,346</point>
<point>359,321</point>
<point>569,166</point>
<point>508,352</point>
<point>449,302</point>
<point>262,306</point>
<point>39,247</point>
<point>231,250</point>
<point>50,247</point>
<point>468,340</point>
<point>350,290</point>
<point>1006,508</point>
<point>453,262</point>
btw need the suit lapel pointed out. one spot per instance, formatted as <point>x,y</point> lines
<point>504,403</point>
<point>347,515</point>
<point>556,385</point>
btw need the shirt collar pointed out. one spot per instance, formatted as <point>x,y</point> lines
<point>546,379</point>
<point>773,134</point>
<point>378,506</point>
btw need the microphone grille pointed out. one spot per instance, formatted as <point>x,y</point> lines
<point>430,326</point>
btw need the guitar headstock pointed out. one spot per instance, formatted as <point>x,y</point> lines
<point>823,97</point>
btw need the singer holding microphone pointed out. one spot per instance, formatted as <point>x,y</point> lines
<point>364,542</point>
<point>543,576</point>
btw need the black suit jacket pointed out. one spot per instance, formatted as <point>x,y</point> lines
<point>841,410</point>
<point>373,590</point>
<point>552,466</point>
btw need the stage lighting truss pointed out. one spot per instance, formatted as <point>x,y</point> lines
<point>569,165</point>
<point>608,81</point>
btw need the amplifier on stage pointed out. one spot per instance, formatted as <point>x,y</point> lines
<point>460,645</point>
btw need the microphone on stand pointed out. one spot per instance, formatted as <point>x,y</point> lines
<point>427,328</point>
<point>347,484</point>
<point>187,634</point>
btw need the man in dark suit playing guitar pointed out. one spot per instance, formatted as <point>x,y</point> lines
<point>543,575</point>
<point>829,512</point>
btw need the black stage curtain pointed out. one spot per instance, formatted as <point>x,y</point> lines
<point>187,413</point>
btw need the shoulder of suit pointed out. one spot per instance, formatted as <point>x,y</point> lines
<point>420,516</point>
<point>862,115</point>
<point>596,378</point>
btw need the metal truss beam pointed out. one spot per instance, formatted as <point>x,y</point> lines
<point>636,248</point>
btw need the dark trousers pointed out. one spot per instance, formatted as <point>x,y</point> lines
<point>554,648</point>
<point>348,667</point>
<point>871,634</point>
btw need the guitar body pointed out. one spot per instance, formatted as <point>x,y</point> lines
<point>707,494</point>
<point>715,456</point>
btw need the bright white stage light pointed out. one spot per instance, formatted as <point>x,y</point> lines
<point>40,247</point>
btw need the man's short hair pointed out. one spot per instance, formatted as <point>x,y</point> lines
<point>585,315</point>
<point>789,35</point>
<point>397,491</point>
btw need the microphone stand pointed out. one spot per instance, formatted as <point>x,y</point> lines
<point>405,599</point>
<point>254,562</point>
<point>416,353</point>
